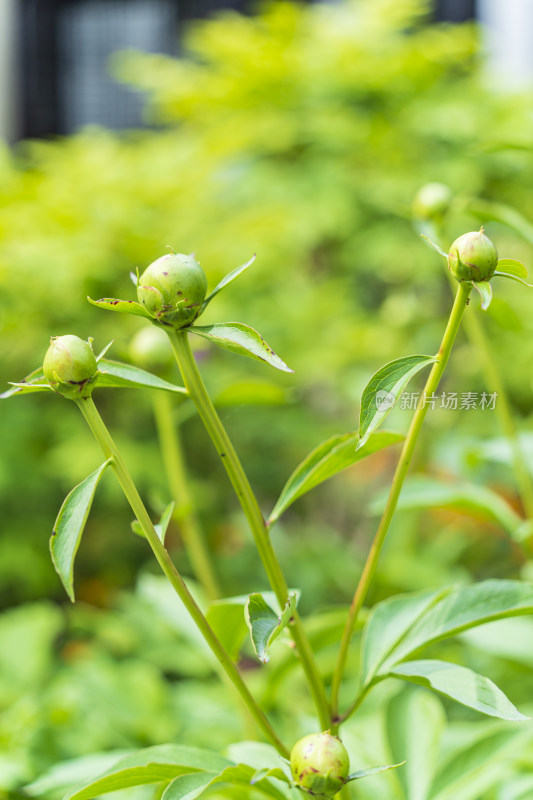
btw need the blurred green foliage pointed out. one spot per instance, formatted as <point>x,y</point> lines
<point>302,134</point>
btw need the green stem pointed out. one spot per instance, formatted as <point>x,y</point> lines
<point>110,450</point>
<point>198,393</point>
<point>369,569</point>
<point>192,535</point>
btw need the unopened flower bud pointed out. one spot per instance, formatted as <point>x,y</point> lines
<point>150,348</point>
<point>70,367</point>
<point>473,257</point>
<point>320,765</point>
<point>432,201</point>
<point>172,289</point>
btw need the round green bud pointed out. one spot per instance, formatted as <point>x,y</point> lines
<point>70,367</point>
<point>432,201</point>
<point>473,257</point>
<point>320,765</point>
<point>150,348</point>
<point>172,289</point>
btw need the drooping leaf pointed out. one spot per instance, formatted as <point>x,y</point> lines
<point>34,382</point>
<point>384,389</point>
<point>69,526</point>
<point>467,498</point>
<point>484,289</point>
<point>152,765</point>
<point>115,374</point>
<point>264,624</point>
<point>415,724</point>
<point>460,684</point>
<point>229,278</point>
<point>365,773</point>
<point>241,339</point>
<point>388,623</point>
<point>122,306</point>
<point>326,460</point>
<point>461,609</point>
<point>160,527</point>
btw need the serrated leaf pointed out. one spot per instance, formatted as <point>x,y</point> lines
<point>239,338</point>
<point>229,278</point>
<point>467,498</point>
<point>160,527</point>
<point>152,765</point>
<point>189,787</point>
<point>460,684</point>
<point>115,374</point>
<point>329,458</point>
<point>461,609</point>
<point>365,773</point>
<point>264,624</point>
<point>415,724</point>
<point>388,622</point>
<point>122,306</point>
<point>69,526</point>
<point>383,390</point>
<point>34,382</point>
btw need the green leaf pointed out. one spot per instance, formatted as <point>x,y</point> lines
<point>484,289</point>
<point>435,246</point>
<point>115,374</point>
<point>160,527</point>
<point>226,281</point>
<point>388,623</point>
<point>415,724</point>
<point>518,788</point>
<point>364,773</point>
<point>473,771</point>
<point>498,274</point>
<point>462,609</point>
<point>69,527</point>
<point>467,498</point>
<point>189,787</point>
<point>326,460</point>
<point>241,339</point>
<point>34,382</point>
<point>122,306</point>
<point>383,390</point>
<point>460,684</point>
<point>227,620</point>
<point>61,777</point>
<point>152,765</point>
<point>264,624</point>
<point>511,267</point>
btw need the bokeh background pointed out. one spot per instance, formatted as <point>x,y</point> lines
<point>302,133</point>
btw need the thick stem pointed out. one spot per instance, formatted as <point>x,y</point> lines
<point>110,450</point>
<point>198,393</point>
<point>369,569</point>
<point>192,534</point>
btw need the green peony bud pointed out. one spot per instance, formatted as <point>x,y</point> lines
<point>473,257</point>
<point>432,201</point>
<point>150,348</point>
<point>70,367</point>
<point>320,765</point>
<point>172,289</point>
